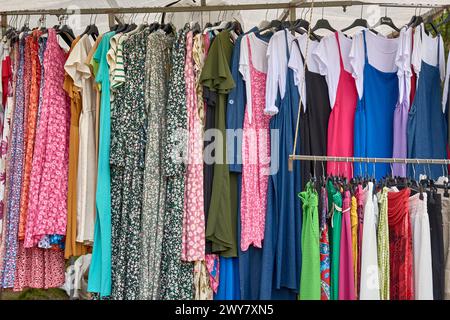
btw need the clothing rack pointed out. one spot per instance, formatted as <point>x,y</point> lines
<point>366,160</point>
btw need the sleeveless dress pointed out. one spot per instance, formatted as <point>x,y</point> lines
<point>314,120</point>
<point>427,125</point>
<point>374,118</point>
<point>341,122</point>
<point>255,153</point>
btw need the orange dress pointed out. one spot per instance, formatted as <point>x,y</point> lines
<point>73,248</point>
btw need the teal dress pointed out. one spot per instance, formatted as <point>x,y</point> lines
<point>100,270</point>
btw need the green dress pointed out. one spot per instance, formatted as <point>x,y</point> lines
<point>310,281</point>
<point>127,171</point>
<point>221,227</point>
<point>335,207</point>
<point>176,275</point>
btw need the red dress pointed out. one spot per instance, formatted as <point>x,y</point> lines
<point>400,244</point>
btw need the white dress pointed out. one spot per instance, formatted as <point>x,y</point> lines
<point>370,283</point>
<point>422,267</point>
<point>80,72</point>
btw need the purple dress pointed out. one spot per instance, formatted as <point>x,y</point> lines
<point>400,134</point>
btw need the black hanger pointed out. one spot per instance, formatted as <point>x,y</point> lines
<point>301,26</point>
<point>430,23</point>
<point>196,29</point>
<point>91,30</point>
<point>387,21</point>
<point>323,24</point>
<point>359,22</point>
<point>274,24</point>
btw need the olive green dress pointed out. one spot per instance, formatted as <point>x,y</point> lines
<point>221,227</point>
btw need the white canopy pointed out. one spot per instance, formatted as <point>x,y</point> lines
<point>337,17</point>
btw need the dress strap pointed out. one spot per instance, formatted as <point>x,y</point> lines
<point>287,44</point>
<point>301,54</point>
<point>250,58</point>
<point>365,47</point>
<point>438,49</point>
<point>339,49</point>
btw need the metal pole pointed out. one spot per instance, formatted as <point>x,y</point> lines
<point>369,160</point>
<point>241,7</point>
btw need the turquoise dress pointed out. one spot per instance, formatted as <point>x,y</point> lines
<point>100,270</point>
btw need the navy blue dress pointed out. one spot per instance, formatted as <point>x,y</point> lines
<point>281,256</point>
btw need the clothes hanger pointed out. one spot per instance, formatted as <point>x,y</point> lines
<point>64,32</point>
<point>323,24</point>
<point>359,22</point>
<point>91,29</point>
<point>387,21</point>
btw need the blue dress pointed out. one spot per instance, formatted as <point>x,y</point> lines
<point>374,119</point>
<point>427,124</point>
<point>100,269</point>
<point>281,256</point>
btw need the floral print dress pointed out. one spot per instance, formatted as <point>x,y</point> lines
<point>15,179</point>
<point>155,182</point>
<point>47,214</point>
<point>176,275</point>
<point>127,170</point>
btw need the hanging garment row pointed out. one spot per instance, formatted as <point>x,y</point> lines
<point>160,158</point>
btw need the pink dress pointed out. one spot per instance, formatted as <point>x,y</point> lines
<point>340,124</point>
<point>47,214</point>
<point>193,241</point>
<point>255,161</point>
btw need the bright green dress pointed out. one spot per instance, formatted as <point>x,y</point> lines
<point>310,281</point>
<point>335,207</point>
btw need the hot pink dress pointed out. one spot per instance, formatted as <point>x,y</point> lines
<point>47,213</point>
<point>341,122</point>
<point>255,164</point>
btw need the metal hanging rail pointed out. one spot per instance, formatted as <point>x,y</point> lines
<point>205,8</point>
<point>369,160</point>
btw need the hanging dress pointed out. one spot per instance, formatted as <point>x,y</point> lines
<point>255,154</point>
<point>193,244</point>
<point>100,270</point>
<point>427,125</point>
<point>374,117</point>
<point>176,275</point>
<point>383,245</point>
<point>38,268</point>
<point>335,209</point>
<point>281,256</point>
<point>401,247</point>
<point>369,282</point>
<point>346,270</point>
<point>155,183</point>
<point>310,282</point>
<point>354,227</point>
<point>314,120</point>
<point>341,121</point>
<point>421,239</point>
<point>324,247</point>
<point>15,177</point>
<point>127,169</point>
<point>72,247</point>
<point>435,215</point>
